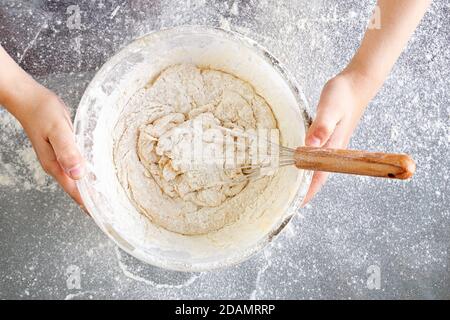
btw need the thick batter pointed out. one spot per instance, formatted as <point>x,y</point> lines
<point>147,139</point>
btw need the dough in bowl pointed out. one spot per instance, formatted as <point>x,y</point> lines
<point>145,142</point>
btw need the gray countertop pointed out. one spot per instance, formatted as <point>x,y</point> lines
<point>355,230</point>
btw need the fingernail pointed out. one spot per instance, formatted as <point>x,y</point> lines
<point>313,142</point>
<point>76,172</point>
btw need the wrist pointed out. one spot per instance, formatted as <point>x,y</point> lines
<point>19,92</point>
<point>22,96</point>
<point>365,84</point>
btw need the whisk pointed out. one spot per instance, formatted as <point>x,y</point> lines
<point>357,162</point>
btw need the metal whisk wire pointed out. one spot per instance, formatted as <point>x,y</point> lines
<point>376,164</point>
<point>255,170</point>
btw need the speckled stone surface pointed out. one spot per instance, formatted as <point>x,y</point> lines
<point>354,228</point>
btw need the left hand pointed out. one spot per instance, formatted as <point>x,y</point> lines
<point>49,128</point>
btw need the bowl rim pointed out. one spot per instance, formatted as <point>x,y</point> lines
<point>302,103</point>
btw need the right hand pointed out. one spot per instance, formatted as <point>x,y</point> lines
<point>340,107</point>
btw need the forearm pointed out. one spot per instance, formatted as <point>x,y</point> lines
<point>382,46</point>
<point>18,91</point>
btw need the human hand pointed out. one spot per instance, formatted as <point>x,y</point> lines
<point>46,121</point>
<point>340,107</point>
<point>49,128</point>
<point>344,97</point>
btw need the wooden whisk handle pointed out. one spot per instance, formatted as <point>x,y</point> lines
<point>375,164</point>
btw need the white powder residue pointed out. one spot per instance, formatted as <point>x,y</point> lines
<point>28,157</point>
<point>21,169</point>
<point>6,180</point>
<point>235,8</point>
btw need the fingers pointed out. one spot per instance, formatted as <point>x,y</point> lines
<point>318,180</point>
<point>51,166</point>
<point>321,129</point>
<point>338,139</point>
<point>326,130</point>
<point>323,126</point>
<point>67,183</point>
<point>50,130</point>
<point>63,143</point>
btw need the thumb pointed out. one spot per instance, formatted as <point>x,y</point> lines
<point>66,151</point>
<point>323,125</point>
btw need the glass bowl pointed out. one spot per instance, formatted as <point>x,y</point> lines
<point>104,99</point>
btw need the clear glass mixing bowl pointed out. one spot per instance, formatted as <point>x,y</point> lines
<point>132,68</point>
